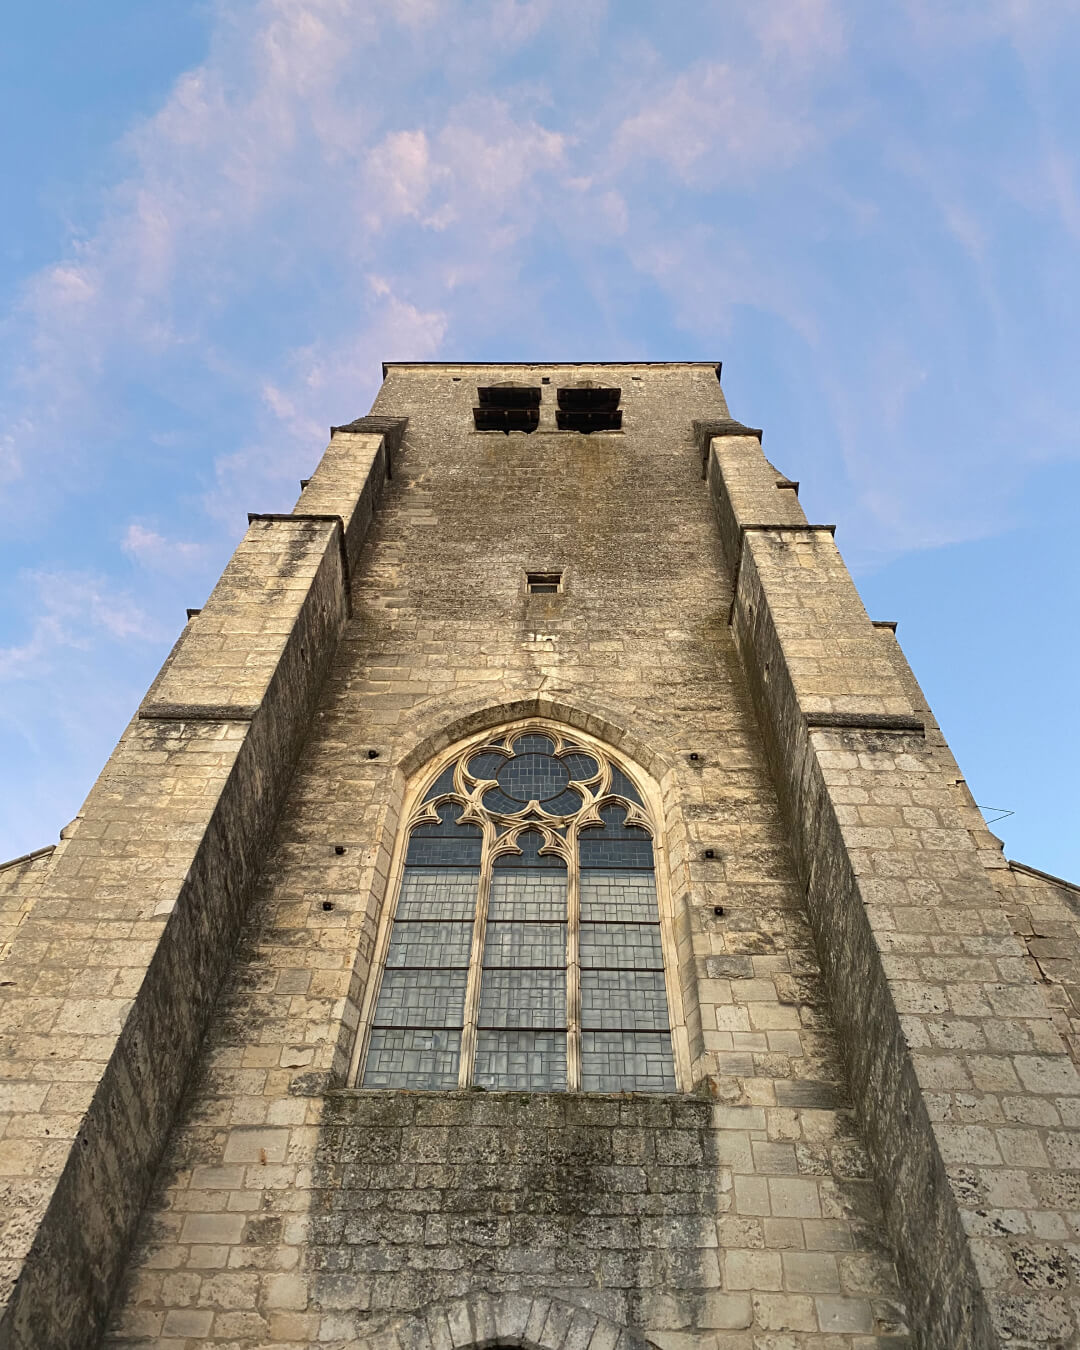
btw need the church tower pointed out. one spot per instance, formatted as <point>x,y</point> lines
<point>534,906</point>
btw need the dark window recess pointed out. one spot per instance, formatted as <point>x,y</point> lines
<point>544,583</point>
<point>589,409</point>
<point>507,407</point>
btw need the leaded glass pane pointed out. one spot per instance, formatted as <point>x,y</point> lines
<point>598,850</point>
<point>413,1059</point>
<point>525,944</point>
<point>582,767</point>
<point>446,844</point>
<point>430,944</point>
<point>530,1060</point>
<point>622,785</point>
<point>500,803</point>
<point>567,803</point>
<point>527,893</point>
<point>628,897</point>
<point>438,893</point>
<point>444,783</point>
<point>534,744</point>
<point>626,1061</point>
<point>527,778</point>
<point>421,998</point>
<point>523,998</point>
<point>486,765</point>
<point>621,945</point>
<point>621,999</point>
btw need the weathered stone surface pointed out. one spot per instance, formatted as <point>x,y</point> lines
<point>608,1218</point>
<point>835,936</point>
<point>936,1007</point>
<point>108,979</point>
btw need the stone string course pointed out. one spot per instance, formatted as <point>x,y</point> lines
<point>865,1015</point>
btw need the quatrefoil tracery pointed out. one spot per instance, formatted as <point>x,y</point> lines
<point>492,783</point>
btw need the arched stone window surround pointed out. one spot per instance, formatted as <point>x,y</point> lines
<point>649,814</point>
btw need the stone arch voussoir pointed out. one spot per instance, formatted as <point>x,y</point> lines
<point>483,1321</point>
<point>448,721</point>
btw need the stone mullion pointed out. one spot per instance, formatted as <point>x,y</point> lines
<point>476,963</point>
<point>573,966</point>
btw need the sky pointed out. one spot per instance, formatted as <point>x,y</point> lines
<point>220,217</point>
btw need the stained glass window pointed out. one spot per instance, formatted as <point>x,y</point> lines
<point>525,949</point>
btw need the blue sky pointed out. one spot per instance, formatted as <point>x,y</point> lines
<point>220,217</point>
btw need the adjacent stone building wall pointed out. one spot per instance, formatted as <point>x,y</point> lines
<point>20,884</point>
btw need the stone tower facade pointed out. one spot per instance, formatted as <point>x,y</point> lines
<point>534,906</point>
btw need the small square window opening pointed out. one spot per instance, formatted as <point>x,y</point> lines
<point>543,583</point>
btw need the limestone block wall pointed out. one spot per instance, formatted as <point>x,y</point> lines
<point>20,884</point>
<point>292,1209</point>
<point>108,979</point>
<point>966,1092</point>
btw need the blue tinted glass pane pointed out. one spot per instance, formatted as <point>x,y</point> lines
<point>421,998</point>
<point>529,778</point>
<point>567,803</point>
<point>435,852</point>
<point>413,1059</point>
<point>523,998</point>
<point>534,744</point>
<point>430,944</point>
<point>525,944</point>
<point>618,897</point>
<point>582,767</point>
<point>486,765</point>
<point>446,844</point>
<point>621,946</point>
<point>527,893</point>
<point>616,844</point>
<point>437,893</point>
<point>622,785</point>
<point>530,855</point>
<point>444,783</point>
<point>613,1000</point>
<point>528,1060</point>
<point>598,849</point>
<point>494,800</point>
<point>627,1061</point>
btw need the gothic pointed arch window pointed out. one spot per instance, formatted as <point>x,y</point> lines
<point>525,948</point>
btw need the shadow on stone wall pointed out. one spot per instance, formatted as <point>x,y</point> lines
<point>608,1204</point>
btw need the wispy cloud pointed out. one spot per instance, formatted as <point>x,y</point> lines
<point>876,207</point>
<point>66,611</point>
<point>154,550</point>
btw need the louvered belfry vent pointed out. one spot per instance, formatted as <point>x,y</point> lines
<point>507,407</point>
<point>589,408</point>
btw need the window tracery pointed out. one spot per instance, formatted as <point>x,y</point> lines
<point>525,947</point>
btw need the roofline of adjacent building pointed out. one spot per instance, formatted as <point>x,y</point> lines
<point>1043,876</point>
<point>27,857</point>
